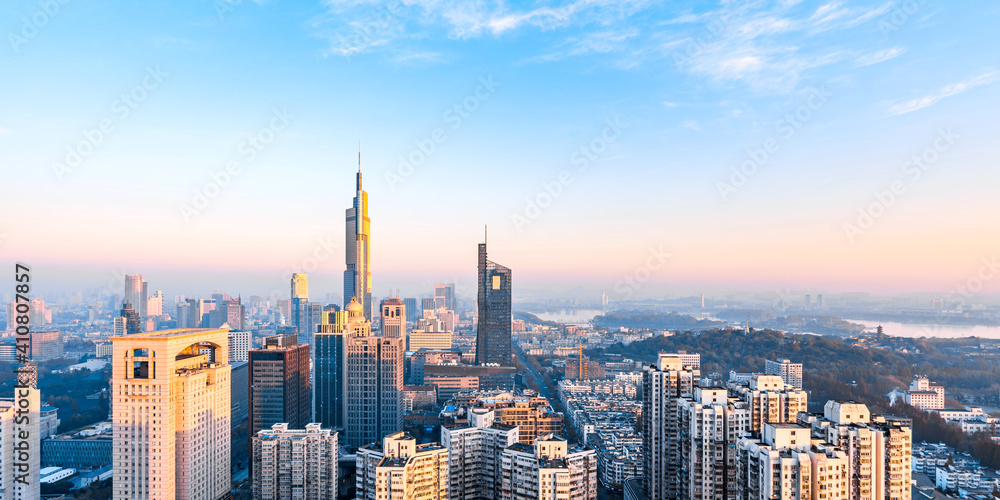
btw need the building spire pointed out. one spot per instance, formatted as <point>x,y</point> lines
<point>359,166</point>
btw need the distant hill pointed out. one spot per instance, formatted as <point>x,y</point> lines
<point>652,320</point>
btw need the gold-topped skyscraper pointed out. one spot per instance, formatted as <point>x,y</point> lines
<point>358,275</point>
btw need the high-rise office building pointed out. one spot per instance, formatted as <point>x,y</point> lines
<point>183,317</point>
<point>663,386</point>
<point>331,361</point>
<point>493,333</point>
<point>307,317</point>
<point>711,426</point>
<point>394,318</point>
<point>171,414</point>
<point>155,304</point>
<point>143,306</point>
<point>133,291</point>
<point>300,309</point>
<point>790,372</point>
<point>132,324</point>
<point>444,297</point>
<point>548,470</point>
<point>38,314</point>
<point>374,388</point>
<point>413,312</point>
<point>358,275</point>
<point>331,384</point>
<point>397,468</point>
<point>279,384</point>
<point>300,286</point>
<point>295,464</point>
<point>21,438</point>
<point>475,455</point>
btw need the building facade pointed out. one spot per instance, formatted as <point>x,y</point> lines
<point>374,388</point>
<point>394,318</point>
<point>710,428</point>
<point>358,275</point>
<point>171,413</point>
<point>475,455</point>
<point>279,384</point>
<point>663,386</point>
<point>295,464</point>
<point>790,372</point>
<point>331,385</point>
<point>239,346</point>
<point>493,330</point>
<point>397,468</point>
<point>549,470</point>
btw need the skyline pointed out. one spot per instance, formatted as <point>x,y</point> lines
<point>548,85</point>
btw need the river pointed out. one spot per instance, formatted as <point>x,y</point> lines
<point>943,331</point>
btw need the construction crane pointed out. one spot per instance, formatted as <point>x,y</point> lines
<point>583,366</point>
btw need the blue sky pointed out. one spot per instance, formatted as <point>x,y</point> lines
<point>694,90</point>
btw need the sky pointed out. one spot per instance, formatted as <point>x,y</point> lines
<point>635,147</point>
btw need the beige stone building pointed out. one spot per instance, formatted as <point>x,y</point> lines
<point>171,393</point>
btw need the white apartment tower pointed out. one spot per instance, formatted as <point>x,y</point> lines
<point>295,464</point>
<point>239,346</point>
<point>790,372</point>
<point>475,455</point>
<point>710,428</point>
<point>400,469</point>
<point>785,465</point>
<point>549,470</point>
<point>171,408</point>
<point>770,401</point>
<point>663,385</point>
<point>878,451</point>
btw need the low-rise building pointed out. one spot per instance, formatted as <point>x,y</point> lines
<point>88,448</point>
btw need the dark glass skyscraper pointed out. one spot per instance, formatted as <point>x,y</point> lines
<point>493,333</point>
<point>331,356</point>
<point>279,384</point>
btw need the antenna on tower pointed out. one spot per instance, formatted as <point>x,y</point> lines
<point>359,156</point>
<point>486,233</point>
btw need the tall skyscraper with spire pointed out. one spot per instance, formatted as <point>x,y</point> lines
<point>358,275</point>
<point>493,332</point>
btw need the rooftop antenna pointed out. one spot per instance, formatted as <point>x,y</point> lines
<point>486,233</point>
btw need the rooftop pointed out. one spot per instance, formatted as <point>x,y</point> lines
<point>169,334</point>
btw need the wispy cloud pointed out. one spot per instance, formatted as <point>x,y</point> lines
<point>880,56</point>
<point>4,131</point>
<point>596,43</point>
<point>691,124</point>
<point>946,91</point>
<point>769,45</point>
